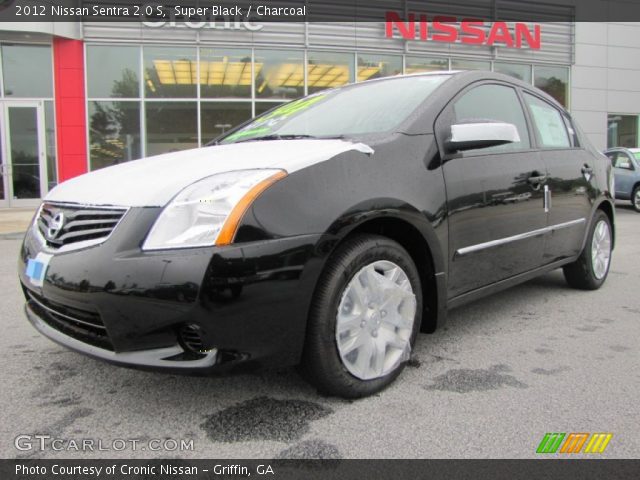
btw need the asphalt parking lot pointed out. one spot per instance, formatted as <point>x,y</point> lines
<point>506,369</point>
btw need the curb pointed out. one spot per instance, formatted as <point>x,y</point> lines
<point>12,236</point>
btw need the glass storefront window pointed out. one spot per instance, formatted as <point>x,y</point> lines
<point>225,72</point>
<point>23,144</point>
<point>114,133</point>
<point>50,147</point>
<point>372,66</point>
<point>622,131</point>
<point>224,88</point>
<point>27,71</point>
<point>170,72</point>
<point>113,71</point>
<point>328,70</point>
<point>516,70</point>
<point>554,81</point>
<point>464,64</point>
<point>171,126</point>
<point>425,64</point>
<point>217,118</point>
<point>279,74</point>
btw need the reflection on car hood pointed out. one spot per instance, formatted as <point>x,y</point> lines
<point>153,181</point>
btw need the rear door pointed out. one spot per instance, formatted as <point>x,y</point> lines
<point>571,173</point>
<point>496,214</point>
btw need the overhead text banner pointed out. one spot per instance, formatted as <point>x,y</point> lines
<point>314,10</point>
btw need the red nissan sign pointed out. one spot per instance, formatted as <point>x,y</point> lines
<point>448,29</point>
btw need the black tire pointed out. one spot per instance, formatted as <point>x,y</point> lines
<point>580,274</point>
<point>635,199</point>
<point>321,363</point>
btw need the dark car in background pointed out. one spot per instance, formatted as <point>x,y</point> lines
<point>626,169</point>
<point>327,232</point>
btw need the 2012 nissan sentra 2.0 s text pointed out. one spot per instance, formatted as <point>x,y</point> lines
<point>325,233</point>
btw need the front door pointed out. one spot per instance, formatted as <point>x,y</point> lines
<point>495,200</point>
<point>23,167</point>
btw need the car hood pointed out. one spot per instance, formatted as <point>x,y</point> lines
<point>154,181</point>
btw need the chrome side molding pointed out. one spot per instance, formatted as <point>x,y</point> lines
<point>522,236</point>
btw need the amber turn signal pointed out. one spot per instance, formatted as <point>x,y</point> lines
<point>228,232</point>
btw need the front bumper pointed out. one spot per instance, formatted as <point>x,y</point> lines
<point>249,302</point>
<point>160,358</point>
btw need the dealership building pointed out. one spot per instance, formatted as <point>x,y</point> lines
<point>76,97</point>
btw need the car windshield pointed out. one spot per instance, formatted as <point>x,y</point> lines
<point>373,107</point>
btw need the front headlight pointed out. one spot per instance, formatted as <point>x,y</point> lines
<point>208,212</point>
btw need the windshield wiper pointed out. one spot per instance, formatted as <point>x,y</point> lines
<point>289,136</point>
<point>276,136</point>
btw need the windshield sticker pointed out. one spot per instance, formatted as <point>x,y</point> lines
<point>265,124</point>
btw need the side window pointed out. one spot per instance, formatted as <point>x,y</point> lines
<point>548,122</point>
<point>493,102</point>
<point>622,160</point>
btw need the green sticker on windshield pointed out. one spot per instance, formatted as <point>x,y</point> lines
<point>290,108</point>
<point>258,127</point>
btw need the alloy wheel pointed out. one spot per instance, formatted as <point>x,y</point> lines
<point>601,249</point>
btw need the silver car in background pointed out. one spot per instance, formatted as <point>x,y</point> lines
<point>626,168</point>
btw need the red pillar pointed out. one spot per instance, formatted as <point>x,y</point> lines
<point>71,125</point>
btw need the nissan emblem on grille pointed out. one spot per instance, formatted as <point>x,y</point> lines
<point>77,226</point>
<point>55,227</point>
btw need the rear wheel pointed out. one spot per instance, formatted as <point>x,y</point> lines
<point>635,198</point>
<point>364,318</point>
<point>592,267</point>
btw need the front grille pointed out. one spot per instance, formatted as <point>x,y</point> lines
<point>62,225</point>
<point>80,324</point>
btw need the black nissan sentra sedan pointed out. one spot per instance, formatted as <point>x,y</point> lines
<point>327,232</point>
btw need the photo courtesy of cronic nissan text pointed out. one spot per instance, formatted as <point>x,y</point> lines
<point>319,239</point>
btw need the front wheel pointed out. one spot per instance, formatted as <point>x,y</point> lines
<point>364,318</point>
<point>590,270</point>
<point>635,199</point>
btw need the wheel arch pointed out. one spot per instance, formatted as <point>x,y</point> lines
<point>411,229</point>
<point>607,207</point>
<point>633,188</point>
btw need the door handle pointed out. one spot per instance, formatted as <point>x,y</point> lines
<point>535,180</point>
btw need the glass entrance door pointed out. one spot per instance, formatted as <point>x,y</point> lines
<point>24,166</point>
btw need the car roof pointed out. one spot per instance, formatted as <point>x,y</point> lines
<point>448,73</point>
<point>469,76</point>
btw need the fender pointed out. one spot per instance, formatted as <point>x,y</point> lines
<point>387,208</point>
<point>334,198</point>
<point>430,229</point>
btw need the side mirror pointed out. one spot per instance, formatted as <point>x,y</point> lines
<point>469,136</point>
